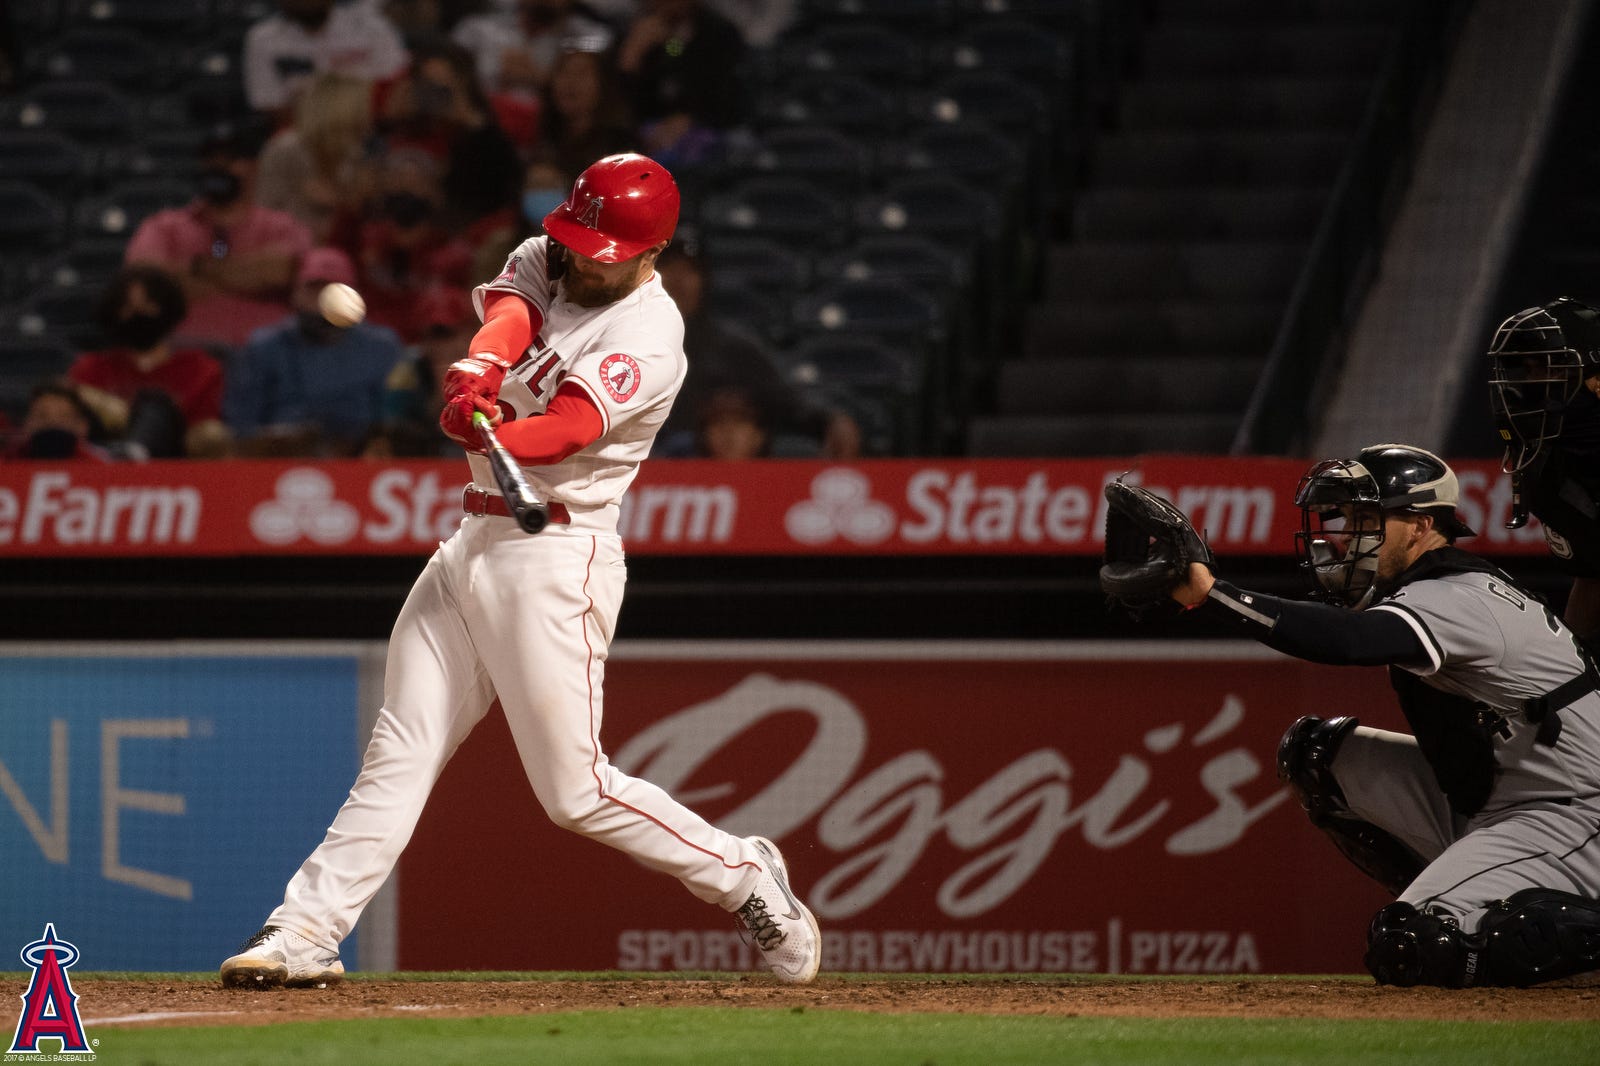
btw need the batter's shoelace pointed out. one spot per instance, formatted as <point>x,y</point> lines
<point>761,923</point>
<point>258,938</point>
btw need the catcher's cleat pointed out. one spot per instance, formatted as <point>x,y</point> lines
<point>784,930</point>
<point>279,958</point>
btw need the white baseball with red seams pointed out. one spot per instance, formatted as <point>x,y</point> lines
<point>529,619</point>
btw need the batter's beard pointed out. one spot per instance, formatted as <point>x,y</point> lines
<point>587,293</point>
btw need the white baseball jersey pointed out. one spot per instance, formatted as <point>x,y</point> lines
<point>628,356</point>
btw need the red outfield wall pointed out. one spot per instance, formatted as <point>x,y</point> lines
<point>1088,807</point>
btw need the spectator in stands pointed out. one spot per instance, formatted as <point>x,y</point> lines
<point>544,186</point>
<point>584,116</point>
<point>320,167</point>
<point>162,401</point>
<point>679,61</point>
<point>438,108</point>
<point>235,258</point>
<point>412,397</point>
<point>722,357</point>
<point>405,245</point>
<point>307,37</point>
<point>57,425</point>
<point>306,386</point>
<point>729,425</point>
<point>515,47</point>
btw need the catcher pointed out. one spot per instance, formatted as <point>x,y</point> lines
<point>1486,822</point>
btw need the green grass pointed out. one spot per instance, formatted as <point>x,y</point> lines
<point>702,1036</point>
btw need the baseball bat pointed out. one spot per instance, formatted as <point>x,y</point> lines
<point>531,513</point>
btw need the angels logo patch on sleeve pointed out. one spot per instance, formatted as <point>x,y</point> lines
<point>510,271</point>
<point>620,375</point>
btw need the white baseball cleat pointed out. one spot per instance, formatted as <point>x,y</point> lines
<point>277,957</point>
<point>784,930</point>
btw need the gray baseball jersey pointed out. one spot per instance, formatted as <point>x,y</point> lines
<point>1500,651</point>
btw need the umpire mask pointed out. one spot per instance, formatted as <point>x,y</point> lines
<point>1341,530</point>
<point>1538,360</point>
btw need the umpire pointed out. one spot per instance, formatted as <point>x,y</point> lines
<point>1544,388</point>
<point>1486,821</point>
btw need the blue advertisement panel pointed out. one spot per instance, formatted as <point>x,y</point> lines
<point>153,806</point>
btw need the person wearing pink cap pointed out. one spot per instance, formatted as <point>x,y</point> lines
<point>578,362</point>
<point>304,386</point>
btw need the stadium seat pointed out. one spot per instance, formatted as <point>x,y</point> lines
<point>931,205</point>
<point>173,19</point>
<point>757,312</point>
<point>64,314</point>
<point>791,211</point>
<point>86,265</point>
<point>884,307</point>
<point>995,97</point>
<point>171,154</point>
<point>47,159</point>
<point>89,112</point>
<point>913,14</point>
<point>756,263</point>
<point>972,151</point>
<point>906,257</point>
<point>845,101</point>
<point>121,56</point>
<point>213,86</point>
<point>879,383</point>
<point>821,154</point>
<point>24,363</point>
<point>31,220</point>
<point>880,54</point>
<point>117,213</point>
<point>1019,47</point>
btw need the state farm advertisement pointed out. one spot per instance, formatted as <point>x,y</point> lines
<point>686,507</point>
<point>942,808</point>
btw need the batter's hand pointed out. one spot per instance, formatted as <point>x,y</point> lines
<point>476,375</point>
<point>456,419</point>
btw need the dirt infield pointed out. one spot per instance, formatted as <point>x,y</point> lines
<point>118,1002</point>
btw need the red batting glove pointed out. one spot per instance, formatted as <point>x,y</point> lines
<point>456,420</point>
<point>471,384</point>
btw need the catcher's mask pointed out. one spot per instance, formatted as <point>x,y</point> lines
<point>1344,502</point>
<point>1538,360</point>
<point>1341,530</point>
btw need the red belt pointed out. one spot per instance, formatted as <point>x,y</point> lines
<point>475,501</point>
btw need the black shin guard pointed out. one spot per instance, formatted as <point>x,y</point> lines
<point>1305,763</point>
<point>1539,934</point>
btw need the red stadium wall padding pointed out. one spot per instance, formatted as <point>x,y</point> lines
<point>679,507</point>
<point>943,808</point>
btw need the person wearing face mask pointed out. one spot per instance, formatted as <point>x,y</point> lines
<point>234,258</point>
<point>57,426</point>
<point>307,37</point>
<point>164,400</point>
<point>306,386</point>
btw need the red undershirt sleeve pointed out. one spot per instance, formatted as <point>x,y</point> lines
<point>509,325</point>
<point>570,424</point>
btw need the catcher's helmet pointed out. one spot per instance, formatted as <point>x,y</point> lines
<point>1335,495</point>
<point>618,207</point>
<point>1538,360</point>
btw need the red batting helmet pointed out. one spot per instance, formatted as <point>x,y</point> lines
<point>618,207</point>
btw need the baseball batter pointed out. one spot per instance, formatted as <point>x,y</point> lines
<point>1544,388</point>
<point>578,361</point>
<point>1486,821</point>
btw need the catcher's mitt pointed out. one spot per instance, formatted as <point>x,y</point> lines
<point>1149,546</point>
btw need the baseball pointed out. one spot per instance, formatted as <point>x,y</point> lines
<point>341,305</point>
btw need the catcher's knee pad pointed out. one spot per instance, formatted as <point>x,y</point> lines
<point>1407,947</point>
<point>1305,763</point>
<point>1541,934</point>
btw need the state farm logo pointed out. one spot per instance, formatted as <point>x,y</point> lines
<point>841,505</point>
<point>305,507</point>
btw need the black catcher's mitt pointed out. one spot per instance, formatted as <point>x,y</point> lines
<point>1149,546</point>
